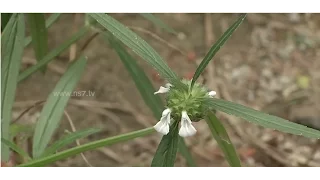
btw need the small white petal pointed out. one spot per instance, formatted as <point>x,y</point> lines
<point>212,93</point>
<point>163,125</point>
<point>166,112</point>
<point>168,85</point>
<point>162,90</point>
<point>187,128</point>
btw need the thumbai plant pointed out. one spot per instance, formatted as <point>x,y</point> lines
<point>186,101</point>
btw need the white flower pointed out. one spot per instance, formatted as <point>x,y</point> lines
<point>212,93</point>
<point>163,125</point>
<point>164,89</point>
<point>186,126</point>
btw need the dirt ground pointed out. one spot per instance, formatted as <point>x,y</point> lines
<point>271,63</point>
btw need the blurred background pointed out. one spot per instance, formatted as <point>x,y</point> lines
<point>271,63</point>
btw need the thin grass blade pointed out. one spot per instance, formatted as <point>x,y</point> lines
<point>11,56</point>
<point>216,47</point>
<point>15,148</point>
<point>158,22</point>
<point>51,19</point>
<point>146,90</point>
<point>39,35</point>
<point>221,136</point>
<point>165,155</point>
<point>139,46</point>
<point>4,19</point>
<point>87,147</point>
<point>54,53</point>
<point>54,107</point>
<point>261,118</point>
<point>68,139</point>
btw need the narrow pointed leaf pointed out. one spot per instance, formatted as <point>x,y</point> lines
<point>139,46</point>
<point>52,19</point>
<point>15,148</point>
<point>54,53</point>
<point>216,47</point>
<point>11,56</point>
<point>87,147</point>
<point>54,107</point>
<point>146,90</point>
<point>221,136</point>
<point>158,22</point>
<point>261,118</point>
<point>68,139</point>
<point>165,155</point>
<point>39,35</point>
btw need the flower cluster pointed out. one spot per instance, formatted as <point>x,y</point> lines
<point>179,105</point>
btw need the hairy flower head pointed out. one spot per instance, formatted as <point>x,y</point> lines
<point>185,106</point>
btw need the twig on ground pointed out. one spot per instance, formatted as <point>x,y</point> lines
<point>73,48</point>
<point>73,128</point>
<point>38,103</point>
<point>88,41</point>
<point>51,66</point>
<point>153,35</point>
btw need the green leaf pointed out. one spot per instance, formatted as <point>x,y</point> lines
<point>141,80</point>
<point>51,55</point>
<point>5,19</point>
<point>185,152</point>
<point>139,46</point>
<point>146,90</point>
<point>221,136</point>
<point>53,18</point>
<point>216,47</point>
<point>15,148</point>
<point>54,107</point>
<point>68,139</point>
<point>11,56</point>
<point>87,147</point>
<point>261,118</point>
<point>39,35</point>
<point>167,150</point>
<point>158,22</point>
